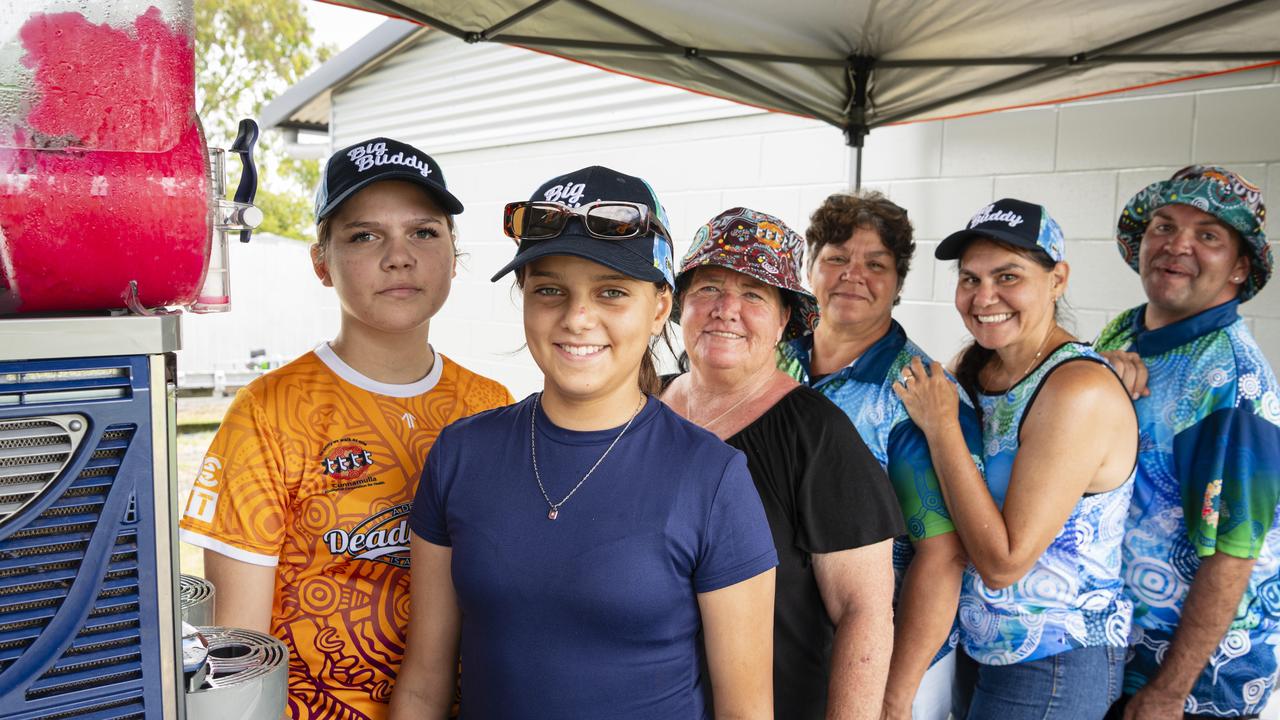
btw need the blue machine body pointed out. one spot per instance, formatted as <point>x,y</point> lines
<point>80,586</point>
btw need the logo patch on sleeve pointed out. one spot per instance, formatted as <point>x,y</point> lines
<point>203,500</point>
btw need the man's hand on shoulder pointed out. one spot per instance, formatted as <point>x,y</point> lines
<point>1132,371</point>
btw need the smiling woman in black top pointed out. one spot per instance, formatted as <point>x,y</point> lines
<point>830,507</point>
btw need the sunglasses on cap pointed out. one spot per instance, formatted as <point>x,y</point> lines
<point>604,219</point>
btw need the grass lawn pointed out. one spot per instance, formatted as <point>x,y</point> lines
<point>197,422</point>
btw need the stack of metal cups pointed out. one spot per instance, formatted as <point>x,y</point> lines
<point>229,672</point>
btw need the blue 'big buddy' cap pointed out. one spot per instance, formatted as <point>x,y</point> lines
<point>647,257</point>
<point>1016,222</point>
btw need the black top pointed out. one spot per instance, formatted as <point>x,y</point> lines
<point>823,491</point>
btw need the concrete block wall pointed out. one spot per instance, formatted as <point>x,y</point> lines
<point>1082,160</point>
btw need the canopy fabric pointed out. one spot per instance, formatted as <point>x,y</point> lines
<point>861,64</point>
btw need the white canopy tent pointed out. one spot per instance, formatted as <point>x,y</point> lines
<point>863,64</point>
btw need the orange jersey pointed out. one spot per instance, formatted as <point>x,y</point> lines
<point>312,471</point>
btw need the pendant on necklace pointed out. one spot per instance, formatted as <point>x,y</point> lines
<point>552,514</point>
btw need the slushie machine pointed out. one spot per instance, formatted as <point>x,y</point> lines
<point>112,220</point>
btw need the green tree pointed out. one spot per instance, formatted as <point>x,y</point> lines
<point>248,52</point>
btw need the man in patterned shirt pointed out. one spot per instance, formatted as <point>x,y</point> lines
<point>1201,549</point>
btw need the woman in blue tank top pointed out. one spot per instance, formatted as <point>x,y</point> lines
<point>1042,606</point>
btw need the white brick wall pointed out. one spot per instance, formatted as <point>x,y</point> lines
<point>1027,143</point>
<point>1125,133</point>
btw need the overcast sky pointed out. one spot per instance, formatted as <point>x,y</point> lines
<point>338,25</point>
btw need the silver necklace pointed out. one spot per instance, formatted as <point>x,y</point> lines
<point>714,420</point>
<point>554,510</point>
<point>1043,343</point>
<point>1036,359</point>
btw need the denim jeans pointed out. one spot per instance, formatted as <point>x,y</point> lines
<point>1074,685</point>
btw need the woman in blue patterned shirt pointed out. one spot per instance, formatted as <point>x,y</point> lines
<point>860,250</point>
<point>1042,605</point>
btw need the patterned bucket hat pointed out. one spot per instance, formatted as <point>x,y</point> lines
<point>760,246</point>
<point>1221,193</point>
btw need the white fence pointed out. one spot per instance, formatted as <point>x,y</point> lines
<point>278,307</point>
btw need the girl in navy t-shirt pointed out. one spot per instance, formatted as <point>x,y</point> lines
<point>589,552</point>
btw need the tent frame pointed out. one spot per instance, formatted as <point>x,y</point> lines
<point>859,68</point>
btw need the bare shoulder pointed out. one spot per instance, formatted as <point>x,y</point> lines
<point>1080,390</point>
<point>676,390</point>
<point>1083,380</point>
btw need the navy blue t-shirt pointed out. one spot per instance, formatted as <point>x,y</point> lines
<point>593,614</point>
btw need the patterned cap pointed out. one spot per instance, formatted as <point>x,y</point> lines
<point>1015,222</point>
<point>1220,192</point>
<point>760,246</point>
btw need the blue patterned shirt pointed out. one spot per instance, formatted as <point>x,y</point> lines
<point>864,391</point>
<point>1073,597</point>
<point>1208,481</point>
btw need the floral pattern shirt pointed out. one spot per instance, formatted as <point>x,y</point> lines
<point>864,391</point>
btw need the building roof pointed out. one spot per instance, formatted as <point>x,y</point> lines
<point>305,105</point>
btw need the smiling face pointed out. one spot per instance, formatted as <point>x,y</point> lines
<point>588,327</point>
<point>731,322</point>
<point>389,255</point>
<point>1189,261</point>
<point>856,281</point>
<point>1006,298</point>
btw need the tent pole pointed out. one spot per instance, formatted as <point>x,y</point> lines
<point>855,167</point>
<point>857,85</point>
<point>857,179</point>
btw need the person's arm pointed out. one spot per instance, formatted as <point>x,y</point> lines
<point>737,625</point>
<point>245,591</point>
<point>425,684</point>
<point>1056,462</point>
<point>926,612</point>
<point>1209,609</point>
<point>238,513</point>
<point>857,589</point>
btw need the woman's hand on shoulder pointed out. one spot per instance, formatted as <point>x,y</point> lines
<point>930,398</point>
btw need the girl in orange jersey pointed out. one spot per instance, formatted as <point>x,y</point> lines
<point>302,503</point>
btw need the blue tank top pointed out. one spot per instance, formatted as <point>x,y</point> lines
<point>1073,596</point>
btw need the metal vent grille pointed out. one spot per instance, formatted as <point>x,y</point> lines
<point>47,386</point>
<point>107,650</point>
<point>38,565</point>
<point>33,453</point>
<point>129,708</point>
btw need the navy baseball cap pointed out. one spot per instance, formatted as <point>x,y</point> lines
<point>355,167</point>
<point>647,257</point>
<point>1015,222</point>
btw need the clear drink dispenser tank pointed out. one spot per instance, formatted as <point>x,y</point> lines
<point>108,198</point>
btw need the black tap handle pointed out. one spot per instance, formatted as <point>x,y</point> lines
<point>246,138</point>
